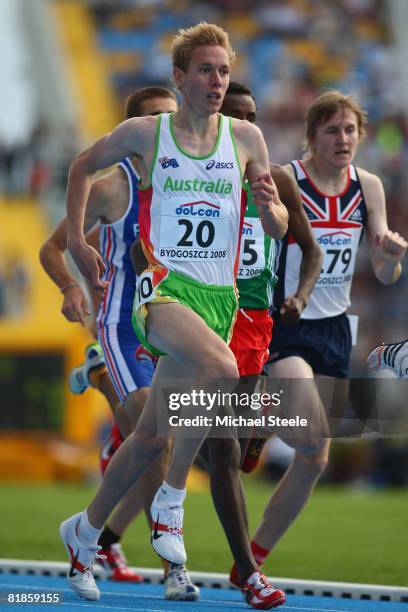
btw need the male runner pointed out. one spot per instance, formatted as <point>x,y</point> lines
<point>253,327</point>
<point>114,202</point>
<point>190,220</point>
<point>340,201</point>
<point>392,357</point>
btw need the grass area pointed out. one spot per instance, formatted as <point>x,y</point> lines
<point>342,535</point>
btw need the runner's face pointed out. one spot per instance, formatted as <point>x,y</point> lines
<point>206,80</point>
<point>336,140</point>
<point>157,105</point>
<point>240,106</point>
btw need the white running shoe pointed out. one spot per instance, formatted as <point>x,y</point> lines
<point>390,357</point>
<point>78,379</point>
<point>178,585</point>
<point>167,531</point>
<point>81,557</point>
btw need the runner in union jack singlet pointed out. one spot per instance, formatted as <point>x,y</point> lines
<point>341,202</point>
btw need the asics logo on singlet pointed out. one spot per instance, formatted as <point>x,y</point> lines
<point>165,163</point>
<point>335,239</point>
<point>219,165</point>
<point>198,209</point>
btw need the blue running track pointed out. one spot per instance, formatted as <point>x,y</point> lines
<point>149,598</point>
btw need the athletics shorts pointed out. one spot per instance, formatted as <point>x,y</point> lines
<point>250,340</point>
<point>129,368</point>
<point>216,305</point>
<point>325,344</point>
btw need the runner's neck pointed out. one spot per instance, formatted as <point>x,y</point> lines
<point>329,180</point>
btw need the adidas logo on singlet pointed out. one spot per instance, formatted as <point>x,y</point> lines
<point>356,216</point>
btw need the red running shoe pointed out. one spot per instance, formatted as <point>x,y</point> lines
<point>234,578</point>
<point>260,594</point>
<point>252,455</point>
<point>115,565</point>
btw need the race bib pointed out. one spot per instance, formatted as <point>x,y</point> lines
<point>339,248</point>
<point>194,231</point>
<point>144,289</point>
<point>252,253</point>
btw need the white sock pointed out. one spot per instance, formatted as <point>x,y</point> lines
<point>87,533</point>
<point>168,494</point>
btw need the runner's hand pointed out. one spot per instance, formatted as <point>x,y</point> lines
<point>90,264</point>
<point>75,307</point>
<point>264,192</point>
<point>391,246</point>
<point>291,310</point>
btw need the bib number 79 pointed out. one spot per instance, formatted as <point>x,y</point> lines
<point>343,255</point>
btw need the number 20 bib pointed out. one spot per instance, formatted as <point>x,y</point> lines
<point>194,231</point>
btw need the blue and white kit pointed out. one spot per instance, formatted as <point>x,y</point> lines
<point>130,367</point>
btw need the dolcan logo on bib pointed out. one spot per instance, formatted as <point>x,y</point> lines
<point>198,209</point>
<point>219,165</point>
<point>339,238</point>
<point>165,163</point>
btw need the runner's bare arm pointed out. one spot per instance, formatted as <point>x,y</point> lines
<point>92,238</point>
<point>299,229</point>
<point>387,248</point>
<point>272,212</point>
<point>52,256</point>
<point>133,137</point>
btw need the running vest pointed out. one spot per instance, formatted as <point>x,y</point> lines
<point>338,223</point>
<point>115,242</point>
<point>255,278</point>
<point>191,214</point>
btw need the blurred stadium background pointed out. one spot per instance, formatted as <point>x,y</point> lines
<point>66,67</point>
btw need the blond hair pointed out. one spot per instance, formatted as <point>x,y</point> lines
<point>186,41</point>
<point>327,105</point>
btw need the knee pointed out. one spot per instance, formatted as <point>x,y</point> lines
<point>224,455</point>
<point>147,441</point>
<point>315,462</point>
<point>220,367</point>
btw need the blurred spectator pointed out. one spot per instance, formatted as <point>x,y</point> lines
<point>14,168</point>
<point>16,281</point>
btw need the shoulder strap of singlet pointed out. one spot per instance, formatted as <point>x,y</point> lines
<point>299,172</point>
